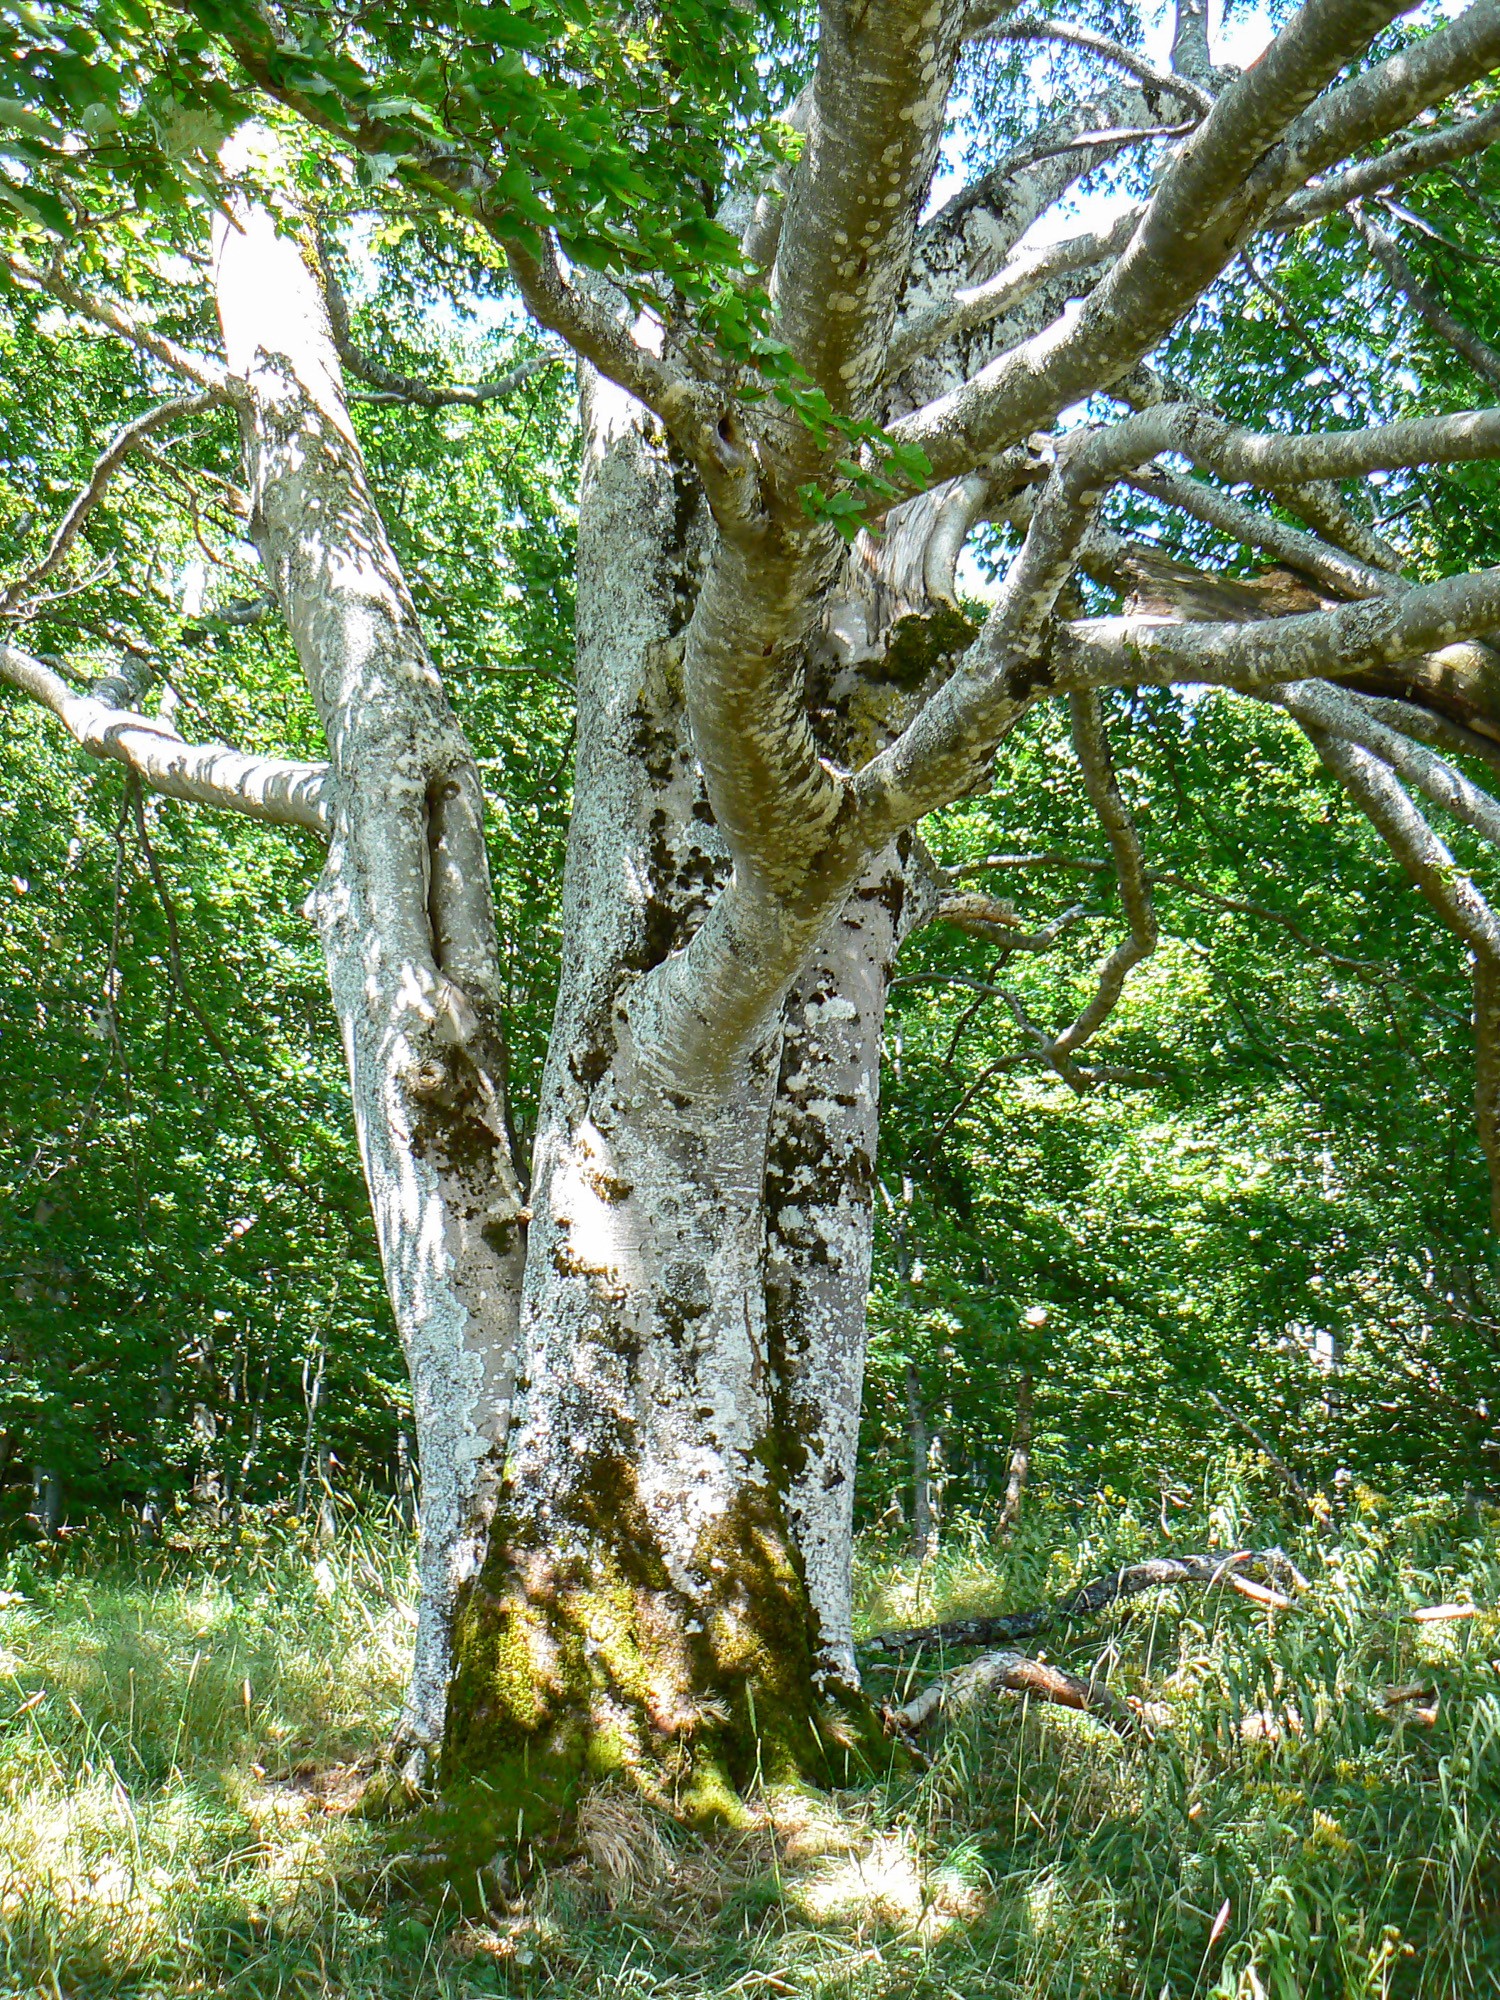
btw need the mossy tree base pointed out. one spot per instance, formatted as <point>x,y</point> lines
<point>697,1688</point>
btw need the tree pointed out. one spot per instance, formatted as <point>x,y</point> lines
<point>637,1356</point>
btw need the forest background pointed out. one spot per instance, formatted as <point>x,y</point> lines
<point>1264,1225</point>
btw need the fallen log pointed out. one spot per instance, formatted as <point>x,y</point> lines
<point>1021,1675</point>
<point>1156,1574</point>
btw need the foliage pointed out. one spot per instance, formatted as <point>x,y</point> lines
<point>191,1293</point>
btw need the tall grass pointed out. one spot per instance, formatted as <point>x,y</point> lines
<point>182,1744</point>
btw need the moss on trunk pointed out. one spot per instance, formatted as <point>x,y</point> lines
<point>696,1686</point>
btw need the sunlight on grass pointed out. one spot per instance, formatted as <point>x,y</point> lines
<point>1312,1808</point>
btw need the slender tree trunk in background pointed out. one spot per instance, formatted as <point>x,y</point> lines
<point>312,1396</point>
<point>328,1514</point>
<point>403,906</point>
<point>1487,1071</point>
<point>1020,1456</point>
<point>922,1537</point>
<point>47,1500</point>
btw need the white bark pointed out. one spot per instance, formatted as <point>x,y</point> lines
<point>403,907</point>
<point>819,1190</point>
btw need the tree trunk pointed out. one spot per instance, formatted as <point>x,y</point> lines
<point>644,1564</point>
<point>820,1181</point>
<point>645,1605</point>
<point>1020,1456</point>
<point>403,906</point>
<point>923,1538</point>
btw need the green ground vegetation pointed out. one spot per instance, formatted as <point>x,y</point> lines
<point>1310,1806</point>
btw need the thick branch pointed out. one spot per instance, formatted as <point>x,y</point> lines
<point>1382,100</point>
<point>1228,175</point>
<point>879,95</point>
<point>1422,155</point>
<point>277,789</point>
<point>1328,645</point>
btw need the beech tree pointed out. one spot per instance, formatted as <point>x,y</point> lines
<point>806,385</point>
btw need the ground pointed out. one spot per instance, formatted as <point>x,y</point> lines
<point>185,1739</point>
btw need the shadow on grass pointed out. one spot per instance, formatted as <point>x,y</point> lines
<point>183,1752</point>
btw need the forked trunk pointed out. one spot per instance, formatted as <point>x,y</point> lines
<point>666,1588</point>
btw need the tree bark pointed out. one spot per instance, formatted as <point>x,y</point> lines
<point>923,1535</point>
<point>1020,1457</point>
<point>666,1588</point>
<point>403,907</point>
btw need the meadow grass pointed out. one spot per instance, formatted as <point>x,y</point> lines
<point>184,1740</point>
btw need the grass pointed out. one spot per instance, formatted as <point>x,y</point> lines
<point>183,1742</point>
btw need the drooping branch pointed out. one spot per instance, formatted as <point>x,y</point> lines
<point>106,466</point>
<point>1456,901</point>
<point>278,789</point>
<point>1345,714</point>
<point>387,385</point>
<point>1091,746</point>
<point>1425,303</point>
<point>1384,801</point>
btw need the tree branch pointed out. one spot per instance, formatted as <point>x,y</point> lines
<point>1310,553</point>
<point>1205,202</point>
<point>1091,746</point>
<point>1158,1573</point>
<point>1328,645</point>
<point>1109,51</point>
<point>389,386</point>
<point>1342,713</point>
<point>1429,308</point>
<point>209,375</point>
<point>1406,162</point>
<point>879,96</point>
<point>105,467</point>
<point>1425,858</point>
<point>276,789</point>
